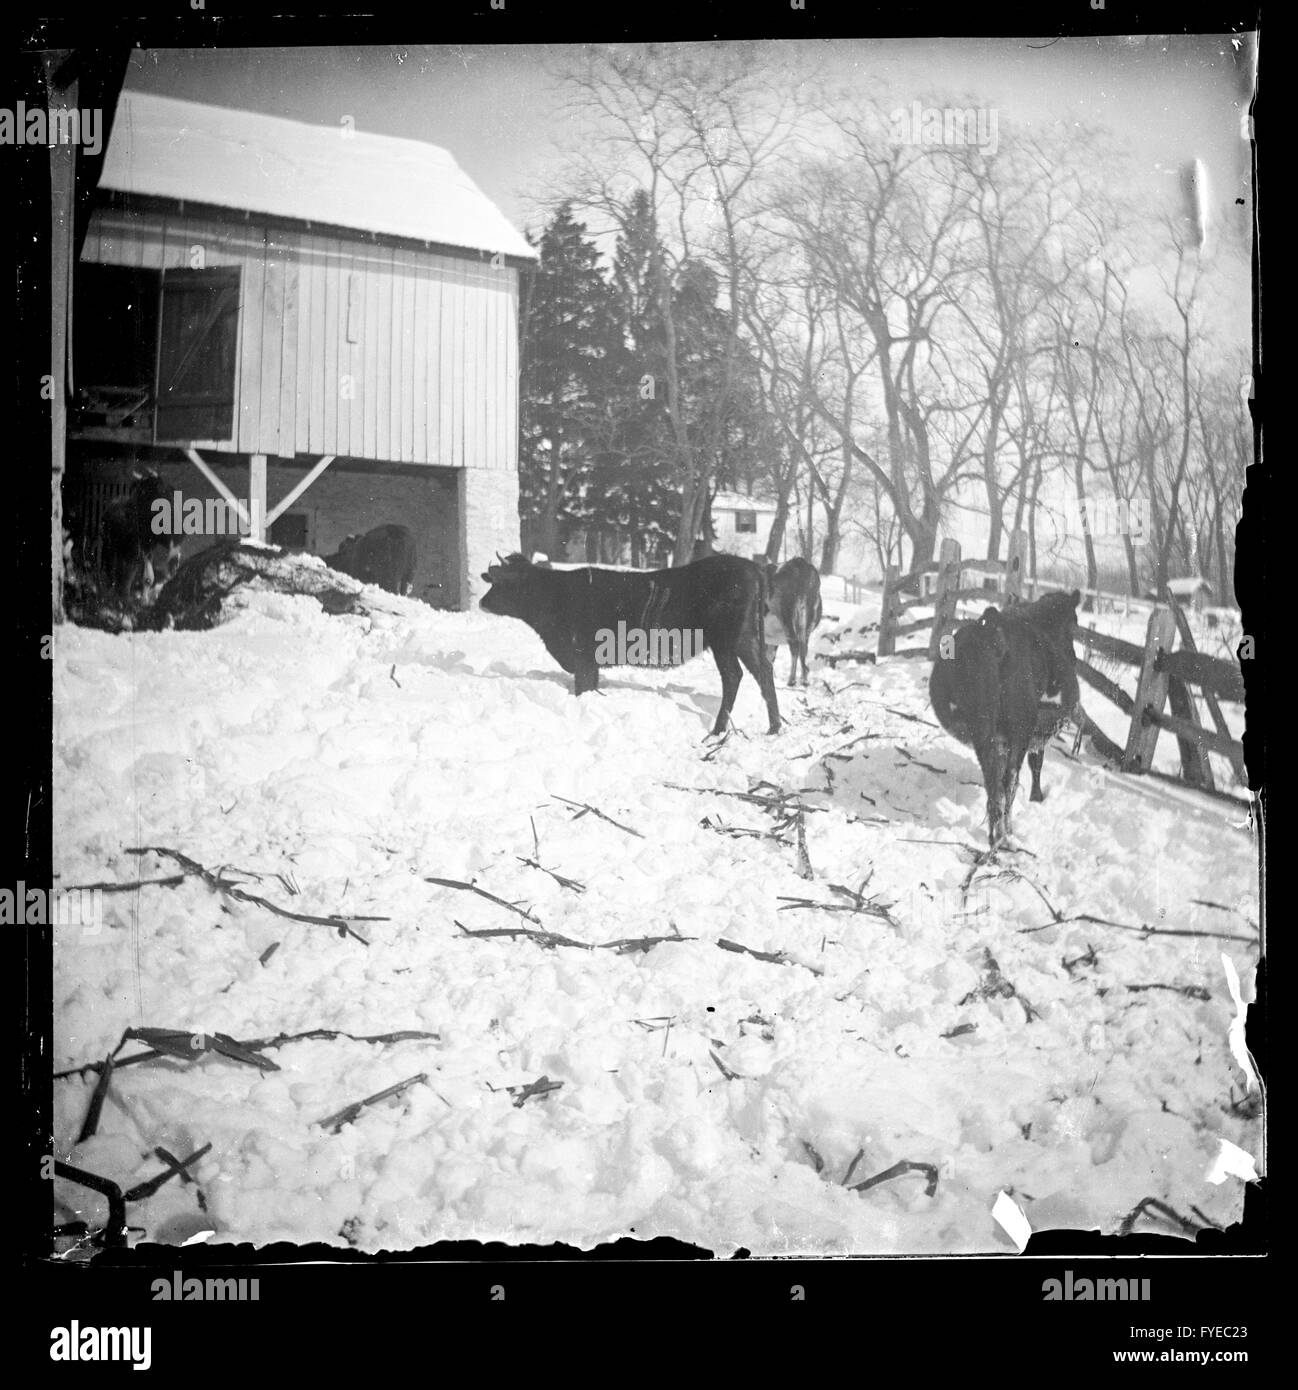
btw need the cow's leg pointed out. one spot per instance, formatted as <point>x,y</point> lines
<point>806,642</point>
<point>1013,769</point>
<point>1036,756</point>
<point>753,655</point>
<point>1051,715</point>
<point>128,571</point>
<point>585,677</point>
<point>731,674</point>
<point>793,662</point>
<point>991,759</point>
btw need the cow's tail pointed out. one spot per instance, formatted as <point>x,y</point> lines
<point>800,628</point>
<point>763,596</point>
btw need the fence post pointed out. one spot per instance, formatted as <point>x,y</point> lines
<point>1151,692</point>
<point>1196,770</point>
<point>887,615</point>
<point>948,583</point>
<point>1188,644</point>
<point>1014,567</point>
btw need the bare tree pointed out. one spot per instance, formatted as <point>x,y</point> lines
<point>692,126</point>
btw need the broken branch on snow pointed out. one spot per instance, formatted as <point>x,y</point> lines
<point>346,1115</point>
<point>342,925</point>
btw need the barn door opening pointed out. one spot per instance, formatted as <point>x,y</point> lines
<point>197,354</point>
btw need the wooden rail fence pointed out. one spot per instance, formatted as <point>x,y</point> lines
<point>1168,679</point>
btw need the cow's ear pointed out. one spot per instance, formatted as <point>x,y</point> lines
<point>1077,597</point>
<point>991,617</point>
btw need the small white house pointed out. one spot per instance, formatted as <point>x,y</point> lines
<point>742,524</point>
<point>1192,589</point>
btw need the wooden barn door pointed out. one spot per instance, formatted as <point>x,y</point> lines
<point>198,354</point>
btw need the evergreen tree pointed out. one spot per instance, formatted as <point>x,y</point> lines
<point>569,335</point>
<point>632,486</point>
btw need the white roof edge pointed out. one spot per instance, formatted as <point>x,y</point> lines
<point>250,161</point>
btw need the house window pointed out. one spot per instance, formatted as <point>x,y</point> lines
<point>745,521</point>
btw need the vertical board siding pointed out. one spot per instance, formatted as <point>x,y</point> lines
<point>509,379</point>
<point>409,381</point>
<point>272,351</point>
<point>350,438</point>
<point>459,335</point>
<point>302,357</point>
<point>383,353</point>
<point>433,375</point>
<point>491,371</point>
<point>433,379</point>
<point>315,364</point>
<point>445,377</point>
<point>288,358</point>
<point>251,307</point>
<point>369,336</point>
<point>419,365</point>
<point>330,369</point>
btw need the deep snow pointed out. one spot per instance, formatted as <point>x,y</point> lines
<point>705,1094</point>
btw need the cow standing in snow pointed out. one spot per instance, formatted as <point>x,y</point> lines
<point>384,556</point>
<point>793,611</point>
<point>1004,684</point>
<point>720,598</point>
<point>127,539</point>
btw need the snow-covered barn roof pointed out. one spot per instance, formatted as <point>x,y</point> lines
<point>165,148</point>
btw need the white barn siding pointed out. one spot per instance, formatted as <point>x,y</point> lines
<point>433,375</point>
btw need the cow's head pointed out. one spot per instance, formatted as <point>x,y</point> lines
<point>988,637</point>
<point>1061,608</point>
<point>147,487</point>
<point>512,581</point>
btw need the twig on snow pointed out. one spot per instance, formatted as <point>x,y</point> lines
<point>546,939</point>
<point>804,859</point>
<point>585,809</point>
<point>1162,1209</point>
<point>526,914</point>
<point>897,1169</point>
<point>175,1167</point>
<point>342,925</point>
<point>348,1113</point>
<point>1141,930</point>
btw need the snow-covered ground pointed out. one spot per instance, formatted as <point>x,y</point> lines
<point>1006,1025</point>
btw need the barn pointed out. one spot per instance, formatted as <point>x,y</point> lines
<point>317,325</point>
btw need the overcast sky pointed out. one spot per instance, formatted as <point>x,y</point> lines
<point>500,109</point>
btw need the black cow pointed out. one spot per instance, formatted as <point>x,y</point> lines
<point>793,611</point>
<point>579,613</point>
<point>384,556</point>
<point>1008,683</point>
<point>127,537</point>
